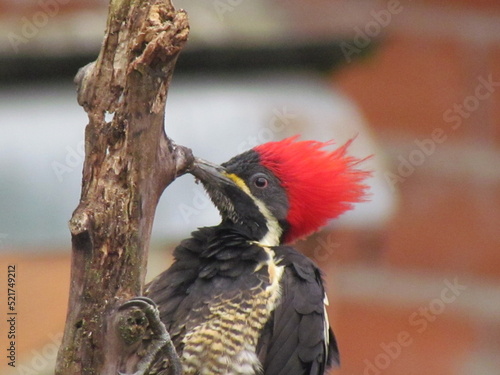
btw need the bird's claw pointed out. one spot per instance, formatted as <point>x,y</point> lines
<point>141,302</point>
<point>158,341</point>
<point>150,310</point>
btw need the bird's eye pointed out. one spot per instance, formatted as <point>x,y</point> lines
<point>261,182</point>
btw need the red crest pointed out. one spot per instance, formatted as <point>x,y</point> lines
<point>320,184</point>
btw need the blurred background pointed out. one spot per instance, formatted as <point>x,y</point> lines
<point>413,275</point>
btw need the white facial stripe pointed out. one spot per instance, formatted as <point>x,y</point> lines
<point>272,237</point>
<point>274,231</point>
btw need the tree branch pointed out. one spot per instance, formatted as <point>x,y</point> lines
<point>129,162</point>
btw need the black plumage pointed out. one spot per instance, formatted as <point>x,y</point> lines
<point>218,263</point>
<point>237,300</point>
<point>294,342</point>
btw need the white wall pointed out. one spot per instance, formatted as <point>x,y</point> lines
<point>41,133</point>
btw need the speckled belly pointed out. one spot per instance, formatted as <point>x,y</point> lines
<point>225,342</point>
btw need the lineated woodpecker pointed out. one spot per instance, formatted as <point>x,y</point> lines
<point>239,300</point>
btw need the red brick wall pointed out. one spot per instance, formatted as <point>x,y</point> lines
<point>430,72</point>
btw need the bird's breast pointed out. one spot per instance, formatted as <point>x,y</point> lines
<point>224,341</point>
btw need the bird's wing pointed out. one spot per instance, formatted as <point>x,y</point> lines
<point>298,340</point>
<point>170,289</point>
<point>189,290</point>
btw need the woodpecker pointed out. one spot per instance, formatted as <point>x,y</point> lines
<point>238,299</point>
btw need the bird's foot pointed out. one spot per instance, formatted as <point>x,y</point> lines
<point>140,326</point>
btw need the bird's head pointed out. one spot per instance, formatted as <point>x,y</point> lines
<point>281,191</point>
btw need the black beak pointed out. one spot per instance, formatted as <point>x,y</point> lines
<point>210,174</point>
<point>216,183</point>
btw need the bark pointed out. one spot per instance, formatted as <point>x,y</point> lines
<point>129,162</point>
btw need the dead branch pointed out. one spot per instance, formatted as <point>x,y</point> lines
<point>129,162</point>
